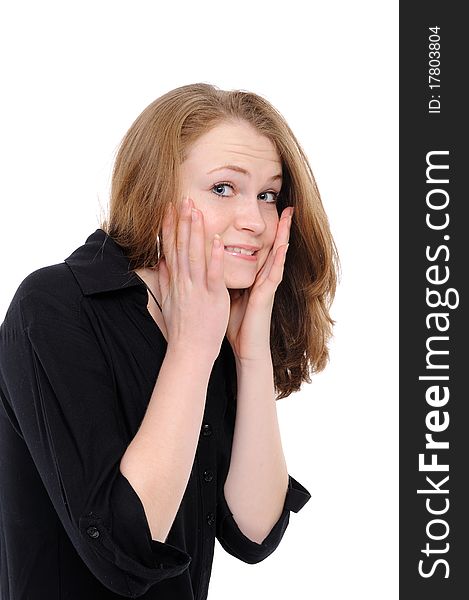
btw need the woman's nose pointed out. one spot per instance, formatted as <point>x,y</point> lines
<point>249,216</point>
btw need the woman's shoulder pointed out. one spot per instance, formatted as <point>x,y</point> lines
<point>48,292</point>
<point>46,278</point>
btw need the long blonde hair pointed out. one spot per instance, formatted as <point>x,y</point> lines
<point>146,177</point>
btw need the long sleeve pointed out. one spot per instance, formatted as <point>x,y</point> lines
<point>237,544</point>
<point>228,533</point>
<point>61,393</point>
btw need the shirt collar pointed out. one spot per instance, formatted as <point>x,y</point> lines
<point>100,265</point>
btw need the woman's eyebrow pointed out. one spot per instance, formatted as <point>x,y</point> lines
<point>241,170</point>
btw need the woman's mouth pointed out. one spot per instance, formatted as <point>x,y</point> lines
<point>243,253</point>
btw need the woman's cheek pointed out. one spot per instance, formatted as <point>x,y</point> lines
<point>264,258</point>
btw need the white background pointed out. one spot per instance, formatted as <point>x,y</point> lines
<point>74,77</point>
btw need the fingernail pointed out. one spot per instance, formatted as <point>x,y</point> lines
<point>195,215</point>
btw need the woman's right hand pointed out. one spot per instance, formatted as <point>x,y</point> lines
<point>195,300</point>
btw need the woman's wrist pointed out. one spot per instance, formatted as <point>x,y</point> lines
<point>261,357</point>
<point>191,356</point>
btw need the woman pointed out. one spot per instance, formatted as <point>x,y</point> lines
<point>138,377</point>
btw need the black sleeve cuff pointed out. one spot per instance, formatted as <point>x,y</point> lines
<point>144,562</point>
<point>238,545</point>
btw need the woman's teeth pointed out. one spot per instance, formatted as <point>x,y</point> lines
<point>239,250</point>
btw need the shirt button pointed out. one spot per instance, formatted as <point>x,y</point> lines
<point>208,475</point>
<point>206,429</point>
<point>92,532</point>
<point>210,518</point>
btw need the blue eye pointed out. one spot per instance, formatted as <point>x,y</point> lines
<point>274,194</point>
<point>221,185</point>
<point>218,190</point>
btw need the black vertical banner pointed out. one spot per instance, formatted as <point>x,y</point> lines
<point>434,270</point>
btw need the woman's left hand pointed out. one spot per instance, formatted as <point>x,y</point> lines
<point>249,324</point>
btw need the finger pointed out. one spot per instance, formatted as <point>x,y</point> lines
<point>215,270</point>
<point>264,271</point>
<point>282,238</point>
<point>197,260</point>
<point>169,240</point>
<point>276,271</point>
<point>283,228</point>
<point>183,239</point>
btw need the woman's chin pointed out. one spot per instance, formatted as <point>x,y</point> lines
<point>239,284</point>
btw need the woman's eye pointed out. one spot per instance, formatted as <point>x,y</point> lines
<point>219,188</point>
<point>273,194</point>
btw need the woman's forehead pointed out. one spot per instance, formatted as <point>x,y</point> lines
<point>238,145</point>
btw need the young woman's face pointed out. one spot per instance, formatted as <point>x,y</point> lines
<point>239,206</point>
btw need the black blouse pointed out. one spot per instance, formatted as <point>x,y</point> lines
<point>79,357</point>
